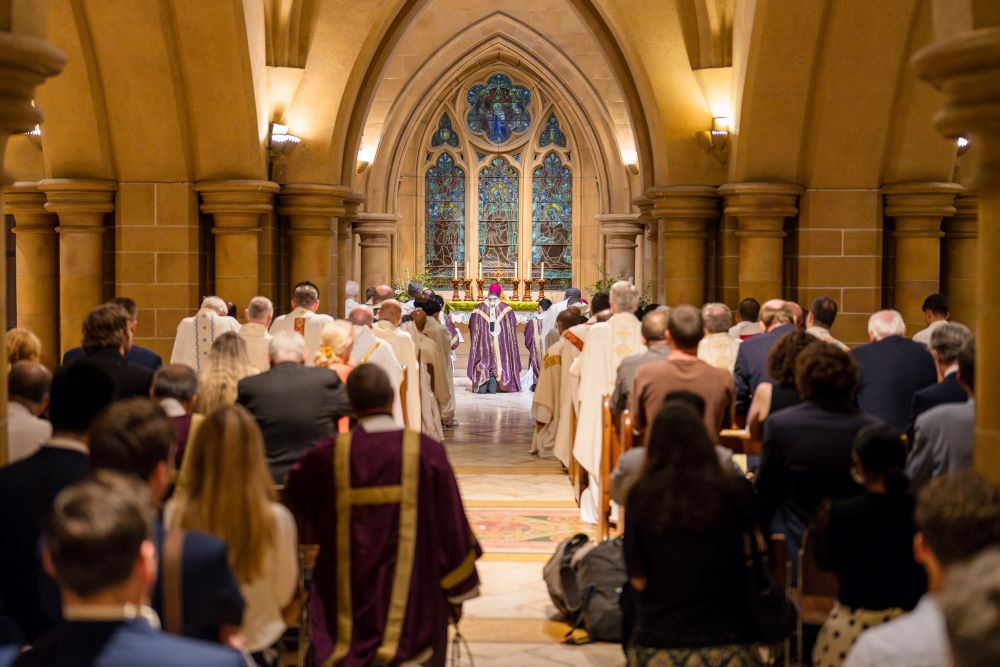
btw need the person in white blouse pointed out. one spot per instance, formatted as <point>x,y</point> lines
<point>227,455</point>
<point>28,386</point>
<point>196,334</point>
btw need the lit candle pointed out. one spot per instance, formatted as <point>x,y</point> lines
<point>543,270</point>
<point>456,270</point>
<point>515,269</point>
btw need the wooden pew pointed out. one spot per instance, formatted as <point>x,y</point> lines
<point>402,399</point>
<point>611,449</point>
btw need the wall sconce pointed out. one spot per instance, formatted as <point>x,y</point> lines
<point>963,145</point>
<point>365,158</point>
<point>631,160</point>
<point>35,137</point>
<point>716,140</point>
<point>281,143</point>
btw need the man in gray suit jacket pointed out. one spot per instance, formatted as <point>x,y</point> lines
<point>654,335</point>
<point>943,434</point>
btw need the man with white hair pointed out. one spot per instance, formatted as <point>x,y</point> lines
<point>369,349</point>
<point>196,334</point>
<point>294,406</point>
<point>414,290</point>
<point>351,291</point>
<point>718,348</point>
<point>387,330</point>
<point>254,333</point>
<point>891,369</point>
<point>304,319</point>
<point>606,345</point>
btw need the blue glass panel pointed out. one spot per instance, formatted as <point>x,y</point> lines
<point>552,222</point>
<point>552,134</point>
<point>444,134</point>
<point>444,220</point>
<point>499,109</point>
<point>498,215</point>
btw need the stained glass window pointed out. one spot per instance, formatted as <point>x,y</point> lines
<point>552,221</point>
<point>444,134</point>
<point>552,134</point>
<point>444,237</point>
<point>499,109</point>
<point>498,199</point>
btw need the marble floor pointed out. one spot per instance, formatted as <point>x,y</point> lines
<point>520,507</point>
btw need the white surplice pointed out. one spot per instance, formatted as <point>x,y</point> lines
<point>308,324</point>
<point>196,334</point>
<point>406,352</point>
<point>568,405</point>
<point>550,315</point>
<point>545,402</point>
<point>439,332</point>
<point>369,349</point>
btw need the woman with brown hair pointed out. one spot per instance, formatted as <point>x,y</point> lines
<point>221,372</point>
<point>336,342</point>
<point>226,491</point>
<point>782,393</point>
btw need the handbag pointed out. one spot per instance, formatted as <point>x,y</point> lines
<point>770,607</point>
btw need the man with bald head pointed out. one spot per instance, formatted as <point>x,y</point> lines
<point>776,320</point>
<point>387,330</point>
<point>28,384</point>
<point>654,335</point>
<point>304,319</point>
<point>369,349</point>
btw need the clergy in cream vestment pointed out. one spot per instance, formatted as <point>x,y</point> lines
<point>387,330</point>
<point>196,334</point>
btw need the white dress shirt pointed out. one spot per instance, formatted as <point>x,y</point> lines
<point>924,335</point>
<point>25,432</point>
<point>917,639</point>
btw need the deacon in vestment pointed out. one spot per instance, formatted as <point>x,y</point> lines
<point>571,296</point>
<point>494,358</point>
<point>369,349</point>
<point>445,319</point>
<point>431,374</point>
<point>196,334</point>
<point>606,345</point>
<point>397,555</point>
<point>569,405</point>
<point>546,405</point>
<point>387,329</point>
<point>437,332</point>
<point>303,319</point>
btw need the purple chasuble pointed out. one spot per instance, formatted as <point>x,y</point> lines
<point>456,335</point>
<point>532,341</point>
<point>494,348</point>
<point>394,541</point>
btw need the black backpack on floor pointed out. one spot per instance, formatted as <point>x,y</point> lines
<point>591,582</point>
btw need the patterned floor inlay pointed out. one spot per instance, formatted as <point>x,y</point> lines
<point>537,530</point>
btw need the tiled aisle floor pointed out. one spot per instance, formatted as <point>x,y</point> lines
<point>520,507</point>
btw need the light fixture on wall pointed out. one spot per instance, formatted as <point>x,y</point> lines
<point>35,136</point>
<point>281,143</point>
<point>366,155</point>
<point>631,160</point>
<point>716,140</point>
<point>963,145</point>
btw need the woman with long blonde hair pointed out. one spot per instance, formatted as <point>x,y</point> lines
<point>21,345</point>
<point>336,341</point>
<point>226,491</point>
<point>226,364</point>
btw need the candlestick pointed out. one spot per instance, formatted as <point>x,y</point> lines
<point>454,288</point>
<point>468,289</point>
<point>480,283</point>
<point>514,296</point>
<point>541,289</point>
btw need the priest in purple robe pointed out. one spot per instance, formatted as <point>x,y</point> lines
<point>397,557</point>
<point>494,358</point>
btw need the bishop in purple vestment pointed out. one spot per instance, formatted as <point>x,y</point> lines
<point>397,554</point>
<point>494,358</point>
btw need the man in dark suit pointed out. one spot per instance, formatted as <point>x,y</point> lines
<point>107,339</point>
<point>946,344</point>
<point>138,355</point>
<point>776,320</point>
<point>27,489</point>
<point>134,437</point>
<point>294,406</point>
<point>892,370</point>
<point>98,546</point>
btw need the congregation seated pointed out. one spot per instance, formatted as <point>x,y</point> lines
<point>254,331</point>
<point>334,353</point>
<point>891,370</point>
<point>957,518</point>
<point>136,354</point>
<point>776,320</point>
<point>107,338</point>
<point>196,334</point>
<point>99,547</point>
<point>684,550</point>
<point>304,318</point>
<point>654,336</point>
<point>175,390</point>
<point>28,385</point>
<point>294,405</point>
<point>780,392</point>
<point>820,319</point>
<point>226,364</point>
<point>946,343</point>
<point>806,449</point>
<point>226,454</point>
<point>134,438</point>
<point>21,345</point>
<point>718,348</point>
<point>867,541</point>
<point>747,320</point>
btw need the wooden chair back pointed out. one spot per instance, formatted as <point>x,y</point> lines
<point>627,430</point>
<point>739,441</point>
<point>611,449</point>
<point>402,397</point>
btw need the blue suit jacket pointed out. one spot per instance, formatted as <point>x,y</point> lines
<point>211,597</point>
<point>947,390</point>
<point>138,355</point>
<point>891,372</point>
<point>751,364</point>
<point>119,644</point>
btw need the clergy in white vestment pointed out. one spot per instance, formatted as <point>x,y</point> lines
<point>606,345</point>
<point>569,404</point>
<point>304,319</point>
<point>351,291</point>
<point>432,383</point>
<point>552,404</point>
<point>414,290</point>
<point>368,349</point>
<point>196,334</point>
<point>387,329</point>
<point>572,295</point>
<point>254,332</point>
<point>437,331</point>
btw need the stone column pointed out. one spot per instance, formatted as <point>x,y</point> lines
<point>620,231</point>
<point>650,226</point>
<point>345,249</point>
<point>958,258</point>
<point>81,206</point>
<point>312,212</point>
<point>761,210</point>
<point>376,230</point>
<point>683,213</point>
<point>236,207</point>
<point>966,67</point>
<point>37,262</point>
<point>916,210</point>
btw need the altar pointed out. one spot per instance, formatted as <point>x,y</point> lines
<point>461,311</point>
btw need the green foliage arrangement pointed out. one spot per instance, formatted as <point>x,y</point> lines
<point>606,280</point>
<point>399,285</point>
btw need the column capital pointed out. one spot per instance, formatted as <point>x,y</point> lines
<point>71,195</point>
<point>699,202</point>
<point>778,200</point>
<point>621,229</point>
<point>236,196</point>
<point>964,224</point>
<point>376,228</point>
<point>307,199</point>
<point>27,61</point>
<point>23,197</point>
<point>920,199</point>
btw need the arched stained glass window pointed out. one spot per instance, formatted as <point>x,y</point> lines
<point>444,134</point>
<point>498,109</point>
<point>444,238</point>
<point>498,207</point>
<point>552,221</point>
<point>552,134</point>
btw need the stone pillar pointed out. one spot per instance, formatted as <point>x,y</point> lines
<point>376,230</point>
<point>650,226</point>
<point>312,212</point>
<point>236,207</point>
<point>761,210</point>
<point>37,262</point>
<point>81,206</point>
<point>916,210</point>
<point>683,213</point>
<point>345,249</point>
<point>620,231</point>
<point>966,67</point>
<point>958,258</point>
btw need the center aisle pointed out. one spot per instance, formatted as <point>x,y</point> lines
<point>520,508</point>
